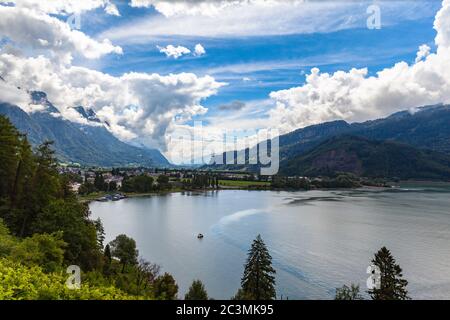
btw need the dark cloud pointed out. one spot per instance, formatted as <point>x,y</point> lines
<point>232,106</point>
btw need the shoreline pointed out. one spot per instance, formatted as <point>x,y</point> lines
<point>96,196</point>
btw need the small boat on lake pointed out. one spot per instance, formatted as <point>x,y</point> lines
<point>200,236</point>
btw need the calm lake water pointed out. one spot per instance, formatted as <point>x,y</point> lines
<point>319,240</point>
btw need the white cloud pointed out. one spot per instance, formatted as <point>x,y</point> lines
<point>354,96</point>
<point>63,7</point>
<point>11,94</point>
<point>199,50</point>
<point>174,52</point>
<point>135,104</point>
<point>39,31</point>
<point>111,9</point>
<point>257,18</point>
<point>424,51</point>
<point>173,7</point>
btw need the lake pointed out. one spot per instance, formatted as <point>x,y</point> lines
<point>319,240</point>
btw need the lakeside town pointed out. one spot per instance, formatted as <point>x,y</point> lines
<point>112,184</point>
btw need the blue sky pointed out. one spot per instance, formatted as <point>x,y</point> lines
<point>254,66</point>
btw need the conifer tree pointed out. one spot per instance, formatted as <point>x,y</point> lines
<point>258,282</point>
<point>108,253</point>
<point>197,291</point>
<point>393,286</point>
<point>165,287</point>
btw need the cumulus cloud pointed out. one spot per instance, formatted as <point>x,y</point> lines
<point>143,106</point>
<point>135,104</point>
<point>174,52</point>
<point>38,31</point>
<point>199,50</point>
<point>13,95</point>
<point>63,7</point>
<point>424,51</point>
<point>354,96</point>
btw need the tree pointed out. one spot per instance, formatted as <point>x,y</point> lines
<point>45,185</point>
<point>100,231</point>
<point>112,186</point>
<point>21,282</point>
<point>163,182</point>
<point>258,282</point>
<point>348,293</point>
<point>44,250</point>
<point>393,286</point>
<point>108,253</point>
<point>99,182</point>
<point>107,257</point>
<point>124,249</point>
<point>196,291</point>
<point>142,183</point>
<point>9,146</point>
<point>165,287</point>
<point>146,274</point>
<point>86,188</point>
<point>80,234</point>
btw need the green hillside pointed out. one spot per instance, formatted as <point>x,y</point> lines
<point>369,158</point>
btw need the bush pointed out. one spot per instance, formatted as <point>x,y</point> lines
<point>19,282</point>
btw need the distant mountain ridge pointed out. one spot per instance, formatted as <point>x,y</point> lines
<point>427,127</point>
<point>73,142</point>
<point>369,158</point>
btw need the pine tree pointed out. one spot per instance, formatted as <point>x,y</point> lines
<point>258,282</point>
<point>45,186</point>
<point>393,287</point>
<point>108,253</point>
<point>9,147</point>
<point>165,287</point>
<point>197,291</point>
<point>107,259</point>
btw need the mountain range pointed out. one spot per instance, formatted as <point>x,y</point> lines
<point>369,158</point>
<point>421,135</point>
<point>89,144</point>
<point>406,144</point>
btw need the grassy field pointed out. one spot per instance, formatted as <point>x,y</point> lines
<point>242,184</point>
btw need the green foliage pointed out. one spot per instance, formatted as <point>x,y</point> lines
<point>295,183</point>
<point>368,158</point>
<point>242,295</point>
<point>348,293</point>
<point>19,282</point>
<point>87,188</point>
<point>163,179</point>
<point>50,229</point>
<point>393,286</point>
<point>165,287</point>
<point>144,277</point>
<point>80,234</point>
<point>258,281</point>
<point>141,183</point>
<point>9,155</point>
<point>44,250</point>
<point>124,249</point>
<point>196,291</point>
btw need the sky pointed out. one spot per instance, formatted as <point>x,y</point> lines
<point>153,68</point>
